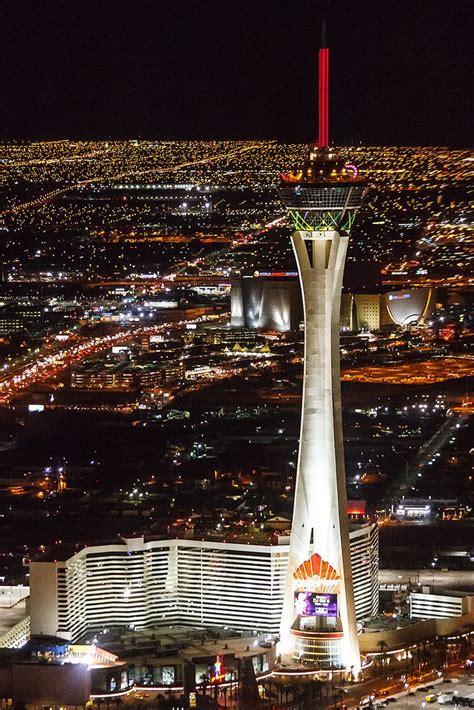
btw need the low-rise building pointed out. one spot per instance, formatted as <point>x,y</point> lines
<point>441,604</point>
<point>126,376</point>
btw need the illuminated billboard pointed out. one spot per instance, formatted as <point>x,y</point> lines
<point>315,604</point>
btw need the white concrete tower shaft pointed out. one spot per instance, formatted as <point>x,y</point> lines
<point>320,523</point>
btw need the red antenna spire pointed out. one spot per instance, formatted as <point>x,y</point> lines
<point>323,94</point>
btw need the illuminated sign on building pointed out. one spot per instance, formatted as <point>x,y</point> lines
<point>276,274</point>
<point>218,674</point>
<point>398,296</point>
<point>315,604</point>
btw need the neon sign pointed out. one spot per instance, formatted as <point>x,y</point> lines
<point>352,168</point>
<point>218,670</point>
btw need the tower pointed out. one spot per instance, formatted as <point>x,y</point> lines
<point>318,624</point>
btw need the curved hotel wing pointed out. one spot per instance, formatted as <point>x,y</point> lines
<point>171,582</point>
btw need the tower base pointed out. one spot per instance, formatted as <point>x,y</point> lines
<point>323,650</point>
<point>318,651</point>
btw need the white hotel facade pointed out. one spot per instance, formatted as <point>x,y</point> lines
<point>170,582</point>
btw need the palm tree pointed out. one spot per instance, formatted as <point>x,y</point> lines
<point>316,689</point>
<point>338,696</point>
<point>204,678</point>
<point>383,645</point>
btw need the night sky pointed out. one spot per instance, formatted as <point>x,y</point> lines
<point>401,71</point>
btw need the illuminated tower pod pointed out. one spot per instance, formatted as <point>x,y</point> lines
<point>318,621</point>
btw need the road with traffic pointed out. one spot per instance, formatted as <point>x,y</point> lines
<point>49,364</point>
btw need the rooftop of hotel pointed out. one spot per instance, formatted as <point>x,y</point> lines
<point>63,551</point>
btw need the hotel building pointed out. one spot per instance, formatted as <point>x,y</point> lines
<point>202,583</point>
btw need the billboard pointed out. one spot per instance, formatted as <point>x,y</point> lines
<point>315,604</point>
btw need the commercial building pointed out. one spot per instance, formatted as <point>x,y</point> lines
<point>319,623</point>
<point>18,318</point>
<point>271,302</point>
<point>231,336</point>
<point>49,671</point>
<point>265,303</point>
<point>413,508</point>
<point>369,311</point>
<point>126,376</point>
<point>151,583</point>
<point>419,508</point>
<point>9,325</point>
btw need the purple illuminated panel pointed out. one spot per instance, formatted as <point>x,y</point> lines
<point>325,604</point>
<point>315,604</point>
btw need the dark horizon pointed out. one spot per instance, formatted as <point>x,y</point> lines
<point>207,70</point>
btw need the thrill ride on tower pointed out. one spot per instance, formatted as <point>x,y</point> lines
<point>318,625</point>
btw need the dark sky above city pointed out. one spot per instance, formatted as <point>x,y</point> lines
<point>401,71</point>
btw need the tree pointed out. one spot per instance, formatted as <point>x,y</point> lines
<point>204,678</point>
<point>316,689</point>
<point>383,646</point>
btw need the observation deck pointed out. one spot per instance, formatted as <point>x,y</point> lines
<point>325,194</point>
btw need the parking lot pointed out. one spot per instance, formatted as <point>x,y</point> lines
<point>436,695</point>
